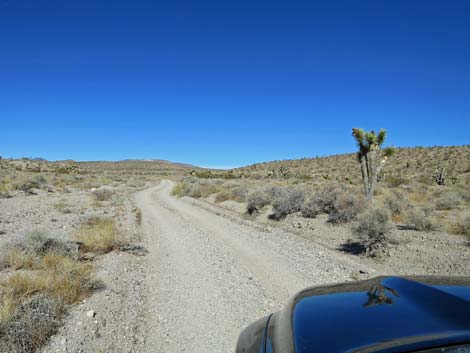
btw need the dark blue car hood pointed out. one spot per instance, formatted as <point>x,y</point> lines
<point>384,314</point>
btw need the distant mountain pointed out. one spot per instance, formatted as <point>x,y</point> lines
<point>137,166</point>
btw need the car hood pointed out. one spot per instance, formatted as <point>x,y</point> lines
<point>386,314</point>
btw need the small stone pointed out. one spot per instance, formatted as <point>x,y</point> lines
<point>90,313</point>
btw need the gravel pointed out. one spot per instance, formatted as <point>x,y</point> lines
<point>210,276</point>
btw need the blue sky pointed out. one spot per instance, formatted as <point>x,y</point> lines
<point>229,83</point>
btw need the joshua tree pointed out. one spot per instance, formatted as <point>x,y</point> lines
<point>439,176</point>
<point>371,157</point>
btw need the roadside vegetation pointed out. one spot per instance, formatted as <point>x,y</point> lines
<point>421,189</point>
<point>81,207</point>
<point>42,276</point>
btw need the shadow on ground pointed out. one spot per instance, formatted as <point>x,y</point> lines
<point>352,247</point>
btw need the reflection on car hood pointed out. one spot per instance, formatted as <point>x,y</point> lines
<point>381,314</point>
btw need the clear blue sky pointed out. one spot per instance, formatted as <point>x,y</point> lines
<point>229,83</point>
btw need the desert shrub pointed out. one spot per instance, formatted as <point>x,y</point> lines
<point>256,201</point>
<point>277,193</point>
<point>102,194</point>
<point>64,279</point>
<point>32,302</point>
<point>196,190</point>
<point>26,186</point>
<point>310,209</point>
<point>30,325</point>
<point>463,225</point>
<point>422,219</point>
<point>373,231</point>
<point>231,192</point>
<point>395,181</point>
<point>325,198</point>
<point>464,194</point>
<point>99,235</point>
<point>16,259</point>
<point>68,281</point>
<point>181,189</point>
<point>5,187</point>
<point>396,202</point>
<point>27,251</point>
<point>223,195</point>
<point>239,194</point>
<point>39,243</point>
<point>205,174</point>
<point>292,202</point>
<point>204,190</point>
<point>447,201</point>
<point>345,208</point>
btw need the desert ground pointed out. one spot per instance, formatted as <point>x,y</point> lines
<point>161,257</point>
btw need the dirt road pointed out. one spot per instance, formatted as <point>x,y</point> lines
<point>209,276</point>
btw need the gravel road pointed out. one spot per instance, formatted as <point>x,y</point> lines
<point>210,276</point>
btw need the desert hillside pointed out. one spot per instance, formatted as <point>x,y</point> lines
<point>407,164</point>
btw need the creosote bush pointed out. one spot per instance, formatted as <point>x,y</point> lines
<point>325,198</point>
<point>345,208</point>
<point>310,209</point>
<point>290,202</point>
<point>397,203</point>
<point>422,219</point>
<point>373,230</point>
<point>256,201</point>
<point>447,201</point>
<point>102,194</point>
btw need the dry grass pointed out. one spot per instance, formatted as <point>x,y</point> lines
<point>180,189</point>
<point>17,259</point>
<point>46,278</point>
<point>99,235</point>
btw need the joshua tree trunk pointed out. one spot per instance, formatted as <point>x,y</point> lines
<point>365,175</point>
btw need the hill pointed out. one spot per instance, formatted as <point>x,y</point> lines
<point>131,167</point>
<point>407,164</point>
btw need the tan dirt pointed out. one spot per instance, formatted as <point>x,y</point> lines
<point>209,276</point>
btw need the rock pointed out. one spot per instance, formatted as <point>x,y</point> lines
<point>90,313</point>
